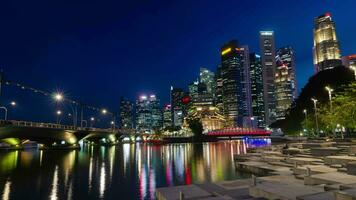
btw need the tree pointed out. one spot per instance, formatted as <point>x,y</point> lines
<point>196,126</point>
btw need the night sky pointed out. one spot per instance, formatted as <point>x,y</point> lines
<point>97,51</point>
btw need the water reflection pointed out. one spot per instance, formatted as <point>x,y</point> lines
<point>128,171</point>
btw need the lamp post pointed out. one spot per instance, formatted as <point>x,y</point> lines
<point>315,114</point>
<point>92,119</point>
<point>354,69</point>
<point>12,103</point>
<point>305,113</point>
<point>58,115</point>
<point>330,90</point>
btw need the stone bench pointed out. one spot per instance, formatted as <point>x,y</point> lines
<point>324,151</point>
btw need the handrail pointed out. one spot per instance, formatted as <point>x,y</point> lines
<point>48,125</point>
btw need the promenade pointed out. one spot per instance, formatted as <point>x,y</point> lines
<point>320,170</point>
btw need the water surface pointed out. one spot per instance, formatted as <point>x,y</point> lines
<point>126,171</point>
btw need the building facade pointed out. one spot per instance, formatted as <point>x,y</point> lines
<point>349,61</point>
<point>258,107</point>
<point>236,88</point>
<point>208,78</point>
<point>285,81</point>
<point>167,116</point>
<point>178,108</point>
<point>267,47</point>
<point>326,50</point>
<point>126,114</point>
<point>148,114</point>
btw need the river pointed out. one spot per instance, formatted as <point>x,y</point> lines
<point>125,171</point>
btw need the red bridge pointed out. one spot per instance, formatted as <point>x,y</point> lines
<point>237,131</point>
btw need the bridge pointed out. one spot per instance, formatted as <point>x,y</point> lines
<point>238,132</point>
<point>15,134</point>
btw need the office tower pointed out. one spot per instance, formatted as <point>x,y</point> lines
<point>126,114</point>
<point>207,77</point>
<point>193,90</point>
<point>258,107</point>
<point>326,46</point>
<point>236,88</point>
<point>268,71</point>
<point>167,116</point>
<point>148,114</point>
<point>178,107</point>
<point>218,100</point>
<point>285,81</point>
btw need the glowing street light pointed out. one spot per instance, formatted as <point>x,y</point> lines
<point>13,103</point>
<point>92,119</point>
<point>104,111</point>
<point>59,112</point>
<point>58,97</point>
<point>330,90</point>
<point>354,69</point>
<point>305,113</point>
<point>315,114</point>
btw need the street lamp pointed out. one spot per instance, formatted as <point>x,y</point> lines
<point>329,92</point>
<point>305,113</point>
<point>315,113</point>
<point>58,97</point>
<point>104,111</point>
<point>92,119</point>
<point>58,115</point>
<point>354,69</point>
<point>12,103</point>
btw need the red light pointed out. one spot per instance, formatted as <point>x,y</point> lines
<point>328,14</point>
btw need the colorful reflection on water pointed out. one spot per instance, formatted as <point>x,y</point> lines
<point>127,171</point>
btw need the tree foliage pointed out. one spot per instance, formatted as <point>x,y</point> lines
<point>335,78</point>
<point>196,126</point>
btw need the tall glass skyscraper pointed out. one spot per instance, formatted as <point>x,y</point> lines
<point>268,70</point>
<point>326,46</point>
<point>178,109</point>
<point>207,77</point>
<point>148,114</point>
<point>126,114</point>
<point>236,88</point>
<point>258,107</point>
<point>285,81</point>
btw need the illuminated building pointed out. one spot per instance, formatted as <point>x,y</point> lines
<point>268,72</point>
<point>207,77</point>
<point>285,81</point>
<point>258,107</point>
<point>349,61</point>
<point>219,90</point>
<point>167,116</point>
<point>126,114</point>
<point>210,117</point>
<point>148,114</point>
<point>326,46</point>
<point>236,86</point>
<point>178,108</point>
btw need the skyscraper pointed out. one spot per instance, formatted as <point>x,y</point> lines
<point>126,114</point>
<point>148,114</point>
<point>326,46</point>
<point>177,106</point>
<point>258,107</point>
<point>167,116</point>
<point>236,88</point>
<point>268,70</point>
<point>207,77</point>
<point>285,81</point>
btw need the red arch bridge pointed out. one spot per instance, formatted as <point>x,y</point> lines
<point>238,131</point>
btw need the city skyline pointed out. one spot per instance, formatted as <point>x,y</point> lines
<point>90,79</point>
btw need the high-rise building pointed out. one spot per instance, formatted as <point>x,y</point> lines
<point>285,81</point>
<point>326,46</point>
<point>258,107</point>
<point>219,90</point>
<point>167,116</point>
<point>148,114</point>
<point>126,114</point>
<point>177,106</point>
<point>268,70</point>
<point>207,77</point>
<point>193,90</point>
<point>236,88</point>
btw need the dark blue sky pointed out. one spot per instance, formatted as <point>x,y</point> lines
<point>97,51</point>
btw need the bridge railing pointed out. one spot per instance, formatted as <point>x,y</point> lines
<point>47,125</point>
